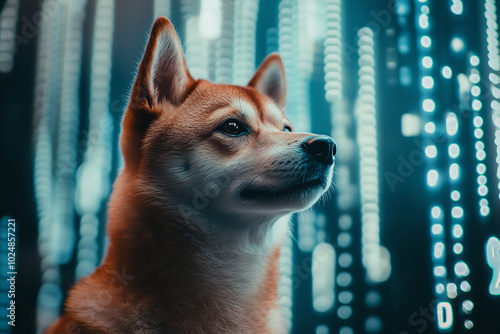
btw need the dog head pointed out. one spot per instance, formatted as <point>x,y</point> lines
<point>219,153</point>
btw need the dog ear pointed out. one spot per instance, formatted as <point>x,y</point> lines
<point>162,80</point>
<point>269,79</point>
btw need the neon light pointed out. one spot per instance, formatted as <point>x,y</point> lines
<point>245,21</point>
<point>493,260</point>
<point>444,315</point>
<point>432,178</point>
<point>8,23</point>
<point>323,277</point>
<point>375,258</point>
<point>494,63</point>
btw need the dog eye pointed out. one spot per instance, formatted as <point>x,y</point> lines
<point>287,128</point>
<point>233,127</point>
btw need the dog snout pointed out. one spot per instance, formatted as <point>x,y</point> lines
<point>321,148</point>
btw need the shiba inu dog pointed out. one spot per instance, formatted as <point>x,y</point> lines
<point>196,218</point>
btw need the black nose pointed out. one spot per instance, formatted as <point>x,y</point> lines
<point>322,148</point>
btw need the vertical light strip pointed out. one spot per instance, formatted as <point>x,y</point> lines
<point>494,64</point>
<point>478,122</point>
<point>309,30</point>
<point>63,234</point>
<point>98,156</point>
<point>224,47</point>
<point>457,7</point>
<point>195,45</point>
<point>286,45</point>
<point>245,27</point>
<point>428,109</point>
<point>340,120</point>
<point>288,41</point>
<point>323,274</point>
<point>47,86</point>
<point>375,258</point>
<point>8,43</point>
<point>161,8</point>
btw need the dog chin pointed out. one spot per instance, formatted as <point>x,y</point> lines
<point>295,196</point>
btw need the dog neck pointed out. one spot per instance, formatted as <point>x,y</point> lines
<point>189,280</point>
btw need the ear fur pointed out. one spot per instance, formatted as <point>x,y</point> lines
<point>162,78</point>
<point>269,79</point>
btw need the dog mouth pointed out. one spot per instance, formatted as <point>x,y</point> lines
<point>262,193</point>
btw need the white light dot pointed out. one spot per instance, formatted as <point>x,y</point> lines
<point>427,82</point>
<point>479,145</point>
<point>481,168</point>
<point>344,312</point>
<point>345,260</point>
<point>462,269</point>
<point>437,229</point>
<point>468,324</point>
<point>446,71</point>
<point>482,190</point>
<point>425,41</point>
<point>465,286</point>
<point>454,171</point>
<point>451,290</point>
<point>436,212</point>
<point>481,180</point>
<point>322,329</point>
<point>457,230</point>
<point>457,44</point>
<point>428,104</point>
<point>478,121</point>
<point>457,212</point>
<point>344,279</point>
<point>485,210</point>
<point>432,178</point>
<point>423,21</point>
<point>478,133</point>
<point>453,150</point>
<point>345,297</point>
<point>477,105</point>
<point>467,306</point>
<point>425,9</point>
<point>440,288</point>
<point>438,251</point>
<point>455,195</point>
<point>496,92</point>
<point>451,123</point>
<point>430,127</point>
<point>458,248</point>
<point>475,91</point>
<point>431,151</point>
<point>494,78</point>
<point>483,202</point>
<point>439,271</point>
<point>346,330</point>
<point>474,78</point>
<point>474,60</point>
<point>427,62</point>
<point>457,7</point>
<point>480,155</point>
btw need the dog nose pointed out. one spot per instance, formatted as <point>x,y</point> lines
<point>322,148</point>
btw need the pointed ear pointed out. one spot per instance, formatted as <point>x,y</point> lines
<point>163,80</point>
<point>162,75</point>
<point>269,79</point>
